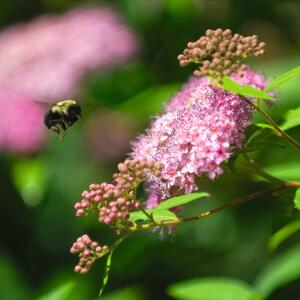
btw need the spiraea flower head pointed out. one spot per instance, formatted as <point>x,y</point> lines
<point>220,52</point>
<point>113,202</point>
<point>89,251</point>
<point>198,132</point>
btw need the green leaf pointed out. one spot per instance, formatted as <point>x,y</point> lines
<point>163,215</point>
<point>180,200</point>
<point>283,234</point>
<point>138,216</point>
<point>283,78</point>
<point>282,270</point>
<point>268,126</point>
<point>291,119</point>
<point>246,90</point>
<point>285,170</point>
<point>106,272</point>
<point>63,292</point>
<point>297,199</point>
<point>264,125</point>
<point>158,215</point>
<point>212,289</point>
<point>162,209</point>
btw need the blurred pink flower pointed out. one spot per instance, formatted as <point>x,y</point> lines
<point>196,134</point>
<point>21,120</point>
<point>109,145</point>
<point>45,60</point>
<point>48,56</point>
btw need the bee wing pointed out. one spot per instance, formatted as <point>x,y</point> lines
<point>45,105</point>
<point>86,106</point>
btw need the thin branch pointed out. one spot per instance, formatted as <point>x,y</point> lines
<point>108,261</point>
<point>271,122</point>
<point>149,216</point>
<point>205,214</point>
<point>259,171</point>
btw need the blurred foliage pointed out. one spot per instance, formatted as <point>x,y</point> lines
<point>280,271</point>
<point>63,292</point>
<point>13,284</point>
<point>212,289</point>
<point>283,234</point>
<point>38,192</point>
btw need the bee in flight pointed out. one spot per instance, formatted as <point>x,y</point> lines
<point>62,115</point>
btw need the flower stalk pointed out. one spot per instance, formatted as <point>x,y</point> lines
<point>259,171</point>
<point>205,214</point>
<point>281,132</point>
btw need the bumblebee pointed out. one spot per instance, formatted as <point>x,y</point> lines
<point>62,115</point>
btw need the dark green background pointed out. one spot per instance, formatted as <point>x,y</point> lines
<point>36,234</point>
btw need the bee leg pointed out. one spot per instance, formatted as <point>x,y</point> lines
<point>63,125</point>
<point>55,129</point>
<point>59,128</point>
<point>64,128</point>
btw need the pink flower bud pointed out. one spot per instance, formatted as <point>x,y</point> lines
<point>77,269</point>
<point>79,213</point>
<point>121,201</point>
<point>107,220</point>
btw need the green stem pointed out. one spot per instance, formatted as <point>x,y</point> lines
<point>259,171</point>
<point>149,216</point>
<point>119,241</point>
<point>273,124</point>
<point>208,213</point>
<point>108,261</point>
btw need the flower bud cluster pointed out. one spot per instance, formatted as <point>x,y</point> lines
<point>132,172</point>
<point>89,251</point>
<point>114,202</point>
<point>97,193</point>
<point>220,52</point>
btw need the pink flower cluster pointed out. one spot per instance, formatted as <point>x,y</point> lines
<point>48,56</point>
<point>21,127</point>
<point>45,60</point>
<point>196,135</point>
<point>220,52</point>
<point>89,251</point>
<point>99,198</point>
<point>114,202</point>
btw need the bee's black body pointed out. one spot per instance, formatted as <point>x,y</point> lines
<point>62,115</point>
